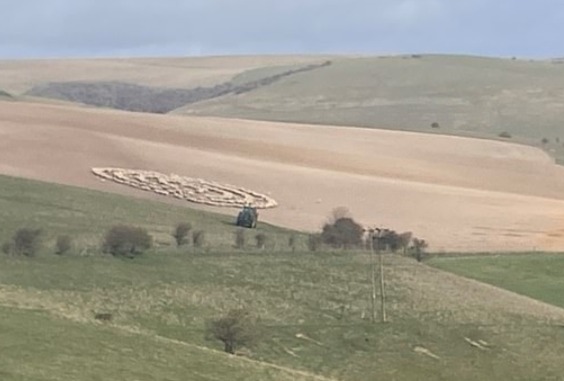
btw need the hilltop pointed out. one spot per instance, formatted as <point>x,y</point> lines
<point>467,96</point>
<point>508,99</point>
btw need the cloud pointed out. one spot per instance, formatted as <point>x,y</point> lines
<point>407,13</point>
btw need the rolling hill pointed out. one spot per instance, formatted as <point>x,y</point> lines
<point>458,193</point>
<point>468,96</point>
<point>314,308</point>
<point>131,97</point>
<point>19,76</point>
<point>461,194</point>
<point>462,94</point>
<point>512,99</point>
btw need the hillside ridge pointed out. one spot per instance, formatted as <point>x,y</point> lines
<point>131,97</point>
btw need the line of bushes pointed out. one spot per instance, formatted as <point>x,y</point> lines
<point>128,241</point>
<point>119,240</point>
<point>341,232</point>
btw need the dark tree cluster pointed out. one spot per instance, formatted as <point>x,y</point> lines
<point>127,241</point>
<point>25,241</point>
<point>390,240</point>
<point>344,233</point>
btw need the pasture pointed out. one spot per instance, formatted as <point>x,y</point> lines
<point>314,308</point>
<point>535,274</point>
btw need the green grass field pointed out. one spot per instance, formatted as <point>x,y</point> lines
<point>467,96</point>
<point>314,308</point>
<point>86,215</point>
<point>540,276</point>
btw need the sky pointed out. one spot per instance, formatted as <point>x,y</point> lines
<point>128,28</point>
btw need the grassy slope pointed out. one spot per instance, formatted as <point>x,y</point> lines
<point>167,295</point>
<point>534,275</point>
<point>264,72</point>
<point>86,215</point>
<point>36,346</point>
<point>467,96</point>
<point>172,295</point>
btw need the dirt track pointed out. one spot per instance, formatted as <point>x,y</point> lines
<point>460,194</point>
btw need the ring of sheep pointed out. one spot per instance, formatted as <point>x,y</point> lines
<point>186,188</point>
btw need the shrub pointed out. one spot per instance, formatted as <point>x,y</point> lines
<point>7,247</point>
<point>27,241</point>
<point>418,249</point>
<point>387,239</point>
<point>292,242</point>
<point>236,329</point>
<point>544,141</point>
<point>505,135</point>
<point>103,316</point>
<point>198,238</point>
<point>128,241</point>
<point>181,233</point>
<point>405,240</point>
<point>344,232</point>
<point>240,239</point>
<point>63,244</point>
<point>261,240</point>
<point>314,242</point>
<point>435,125</point>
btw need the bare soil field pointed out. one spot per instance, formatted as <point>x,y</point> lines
<point>458,193</point>
<point>18,76</point>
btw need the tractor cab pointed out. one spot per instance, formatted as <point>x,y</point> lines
<point>247,217</point>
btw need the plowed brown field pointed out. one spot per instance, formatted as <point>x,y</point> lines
<point>458,193</point>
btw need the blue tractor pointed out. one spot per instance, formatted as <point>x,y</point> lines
<point>247,217</point>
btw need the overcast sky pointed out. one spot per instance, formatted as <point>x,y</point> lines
<point>94,28</point>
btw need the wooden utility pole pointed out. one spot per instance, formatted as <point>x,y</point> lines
<point>373,260</point>
<point>382,288</point>
<point>377,234</point>
<point>373,275</point>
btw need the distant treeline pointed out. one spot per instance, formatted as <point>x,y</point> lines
<point>130,97</point>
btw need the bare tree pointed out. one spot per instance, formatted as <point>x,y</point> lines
<point>292,242</point>
<point>198,238</point>
<point>27,241</point>
<point>419,246</point>
<point>240,238</point>
<point>405,241</point>
<point>181,233</point>
<point>261,240</point>
<point>314,241</point>
<point>63,244</point>
<point>338,213</point>
<point>236,329</point>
